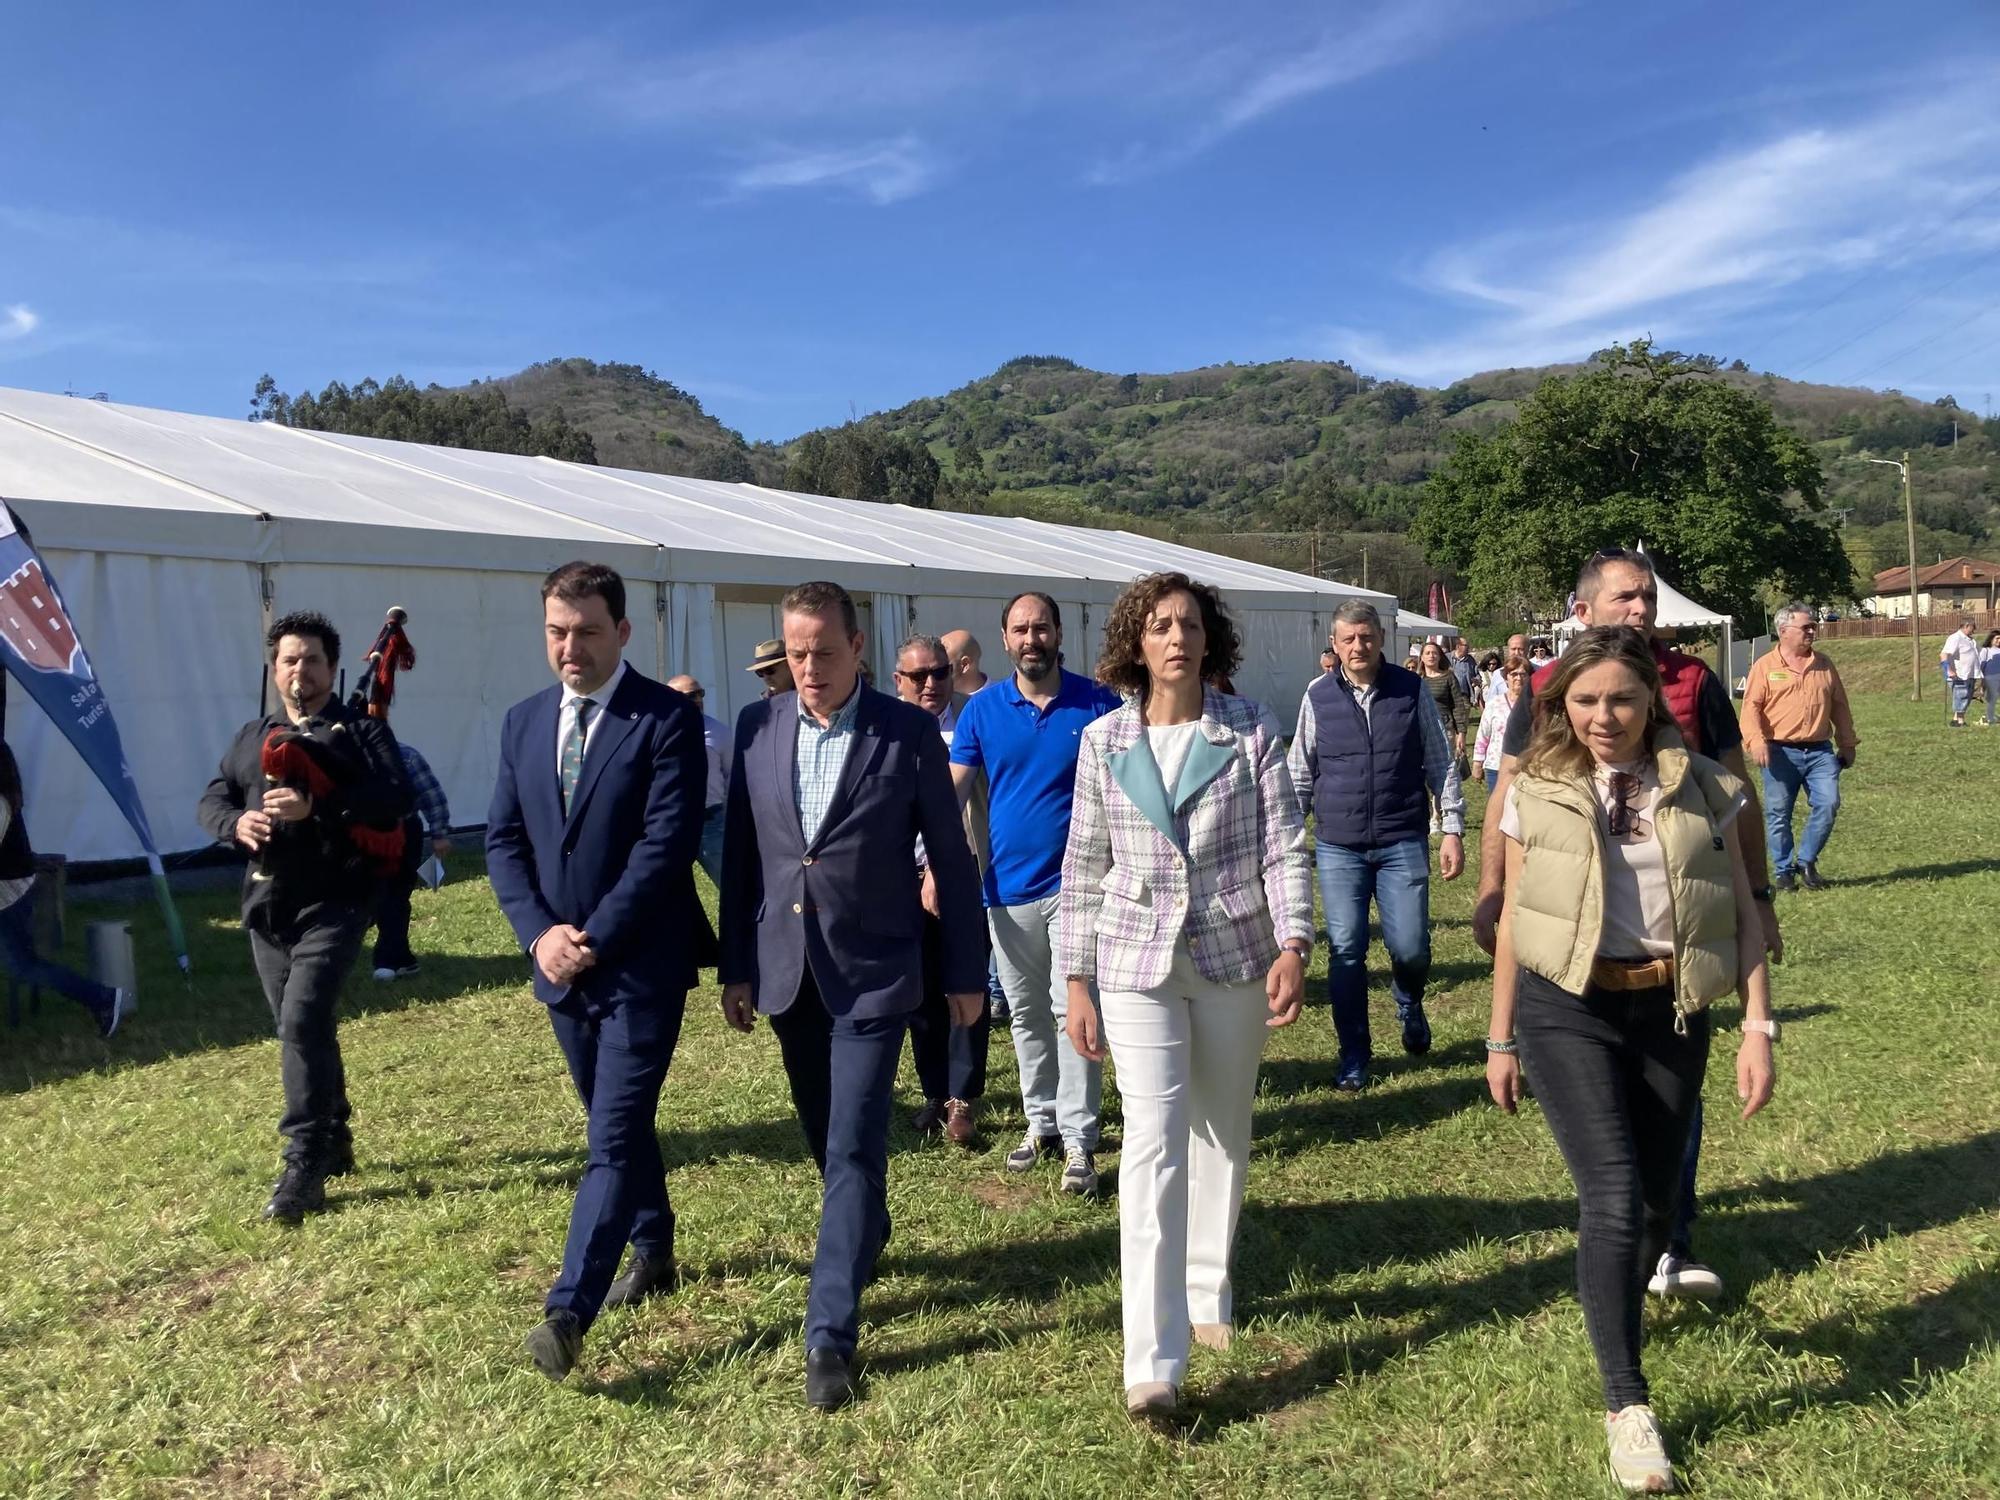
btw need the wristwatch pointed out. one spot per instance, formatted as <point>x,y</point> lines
<point>1303,949</point>
<point>1769,1028</point>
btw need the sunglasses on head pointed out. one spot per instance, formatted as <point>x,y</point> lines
<point>926,674</point>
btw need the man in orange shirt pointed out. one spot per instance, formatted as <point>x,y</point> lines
<point>1796,725</point>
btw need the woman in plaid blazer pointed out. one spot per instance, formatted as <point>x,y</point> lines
<point>1187,898</point>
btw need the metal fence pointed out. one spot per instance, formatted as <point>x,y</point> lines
<point>1939,623</point>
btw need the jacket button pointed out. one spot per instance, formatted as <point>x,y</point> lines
<point>796,907</point>
<point>807,860</point>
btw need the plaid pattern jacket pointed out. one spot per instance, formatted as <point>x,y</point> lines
<point>1222,860</point>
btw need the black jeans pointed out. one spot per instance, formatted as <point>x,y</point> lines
<point>302,974</point>
<point>950,1060</point>
<point>392,922</point>
<point>1619,1089</point>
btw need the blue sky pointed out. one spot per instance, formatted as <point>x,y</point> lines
<point>790,210</point>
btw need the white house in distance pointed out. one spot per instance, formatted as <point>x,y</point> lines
<point>1955,583</point>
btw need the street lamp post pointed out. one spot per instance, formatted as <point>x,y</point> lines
<point>1910,527</point>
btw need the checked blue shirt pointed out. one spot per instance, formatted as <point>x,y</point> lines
<point>816,767</point>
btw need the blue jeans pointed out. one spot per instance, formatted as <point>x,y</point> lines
<point>1398,878</point>
<point>1492,777</point>
<point>1813,769</point>
<point>1961,697</point>
<point>710,855</point>
<point>1992,692</point>
<point>17,949</point>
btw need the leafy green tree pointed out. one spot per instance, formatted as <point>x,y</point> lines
<point>396,409</point>
<point>1637,447</point>
<point>860,463</point>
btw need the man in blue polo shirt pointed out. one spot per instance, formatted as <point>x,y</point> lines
<point>1024,732</point>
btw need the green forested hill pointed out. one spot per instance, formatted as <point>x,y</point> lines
<point>1284,447</point>
<point>638,420</point>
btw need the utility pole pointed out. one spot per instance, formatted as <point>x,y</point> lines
<point>1313,560</point>
<point>1364,567</point>
<point>1910,529</point>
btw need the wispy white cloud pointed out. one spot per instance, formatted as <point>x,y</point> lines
<point>1170,83</point>
<point>883,172</point>
<point>1722,239</point>
<point>18,321</point>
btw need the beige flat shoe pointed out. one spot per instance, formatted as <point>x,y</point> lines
<point>1153,1401</point>
<point>1217,1336</point>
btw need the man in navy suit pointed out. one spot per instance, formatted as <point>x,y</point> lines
<point>822,930</point>
<point>590,846</point>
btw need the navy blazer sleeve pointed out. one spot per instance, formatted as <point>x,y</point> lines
<point>510,859</point>
<point>961,909</point>
<point>676,768</point>
<point>742,862</point>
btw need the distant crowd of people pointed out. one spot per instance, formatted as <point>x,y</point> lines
<point>1119,866</point>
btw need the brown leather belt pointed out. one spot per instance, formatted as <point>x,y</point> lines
<point>1632,974</point>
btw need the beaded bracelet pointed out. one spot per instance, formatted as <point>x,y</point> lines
<point>1507,1047</point>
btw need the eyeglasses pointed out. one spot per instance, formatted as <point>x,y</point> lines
<point>1624,794</point>
<point>926,674</point>
<point>770,671</point>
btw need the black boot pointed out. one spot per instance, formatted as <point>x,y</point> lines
<point>829,1380</point>
<point>300,1191</point>
<point>643,1278</point>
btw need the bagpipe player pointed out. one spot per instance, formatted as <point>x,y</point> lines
<point>316,793</point>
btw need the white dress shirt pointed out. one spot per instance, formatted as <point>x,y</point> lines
<point>566,715</point>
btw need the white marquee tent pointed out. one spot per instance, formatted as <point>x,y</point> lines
<point>177,538</point>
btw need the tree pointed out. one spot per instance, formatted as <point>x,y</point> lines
<point>396,409</point>
<point>859,463</point>
<point>1637,447</point>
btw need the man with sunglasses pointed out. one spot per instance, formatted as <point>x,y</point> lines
<point>769,666</point>
<point>715,802</point>
<point>1618,587</point>
<point>950,1060</point>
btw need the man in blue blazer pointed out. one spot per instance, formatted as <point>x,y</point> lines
<point>822,930</point>
<point>590,846</point>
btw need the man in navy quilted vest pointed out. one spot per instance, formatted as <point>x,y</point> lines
<point>1370,755</point>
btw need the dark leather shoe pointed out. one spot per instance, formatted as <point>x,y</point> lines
<point>643,1278</point>
<point>1814,881</point>
<point>554,1343</point>
<point>300,1191</point>
<point>339,1160</point>
<point>1416,1030</point>
<point>829,1380</point>
<point>930,1119</point>
<point>1785,881</point>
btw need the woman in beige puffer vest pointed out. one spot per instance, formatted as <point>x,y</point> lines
<point>1628,911</point>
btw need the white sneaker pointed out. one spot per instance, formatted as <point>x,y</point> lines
<point>1638,1452</point>
<point>1674,1277</point>
<point>1079,1178</point>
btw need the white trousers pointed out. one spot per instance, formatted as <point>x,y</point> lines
<point>1187,1054</point>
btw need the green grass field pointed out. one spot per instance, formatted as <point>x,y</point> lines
<point>1407,1325</point>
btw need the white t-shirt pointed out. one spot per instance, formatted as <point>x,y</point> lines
<point>1963,653</point>
<point>1638,908</point>
<point>1170,744</point>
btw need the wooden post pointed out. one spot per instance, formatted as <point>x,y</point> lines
<point>1916,641</point>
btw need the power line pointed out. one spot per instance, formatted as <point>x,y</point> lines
<point>1926,342</point>
<point>1874,271</point>
<point>1896,313</point>
<point>1975,353</point>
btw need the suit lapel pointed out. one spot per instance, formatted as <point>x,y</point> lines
<point>605,737</point>
<point>867,741</point>
<point>784,743</point>
<point>1206,759</point>
<point>1138,776</point>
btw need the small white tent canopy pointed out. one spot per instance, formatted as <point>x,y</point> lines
<point>177,538</point>
<point>1413,628</point>
<point>1678,612</point>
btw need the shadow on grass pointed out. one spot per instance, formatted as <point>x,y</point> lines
<point>222,1006</point>
<point>1922,872</point>
<point>1293,1258</point>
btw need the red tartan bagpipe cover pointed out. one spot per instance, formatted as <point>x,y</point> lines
<point>320,766</point>
<point>391,653</point>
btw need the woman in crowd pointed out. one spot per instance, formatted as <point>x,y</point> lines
<point>1628,910</point>
<point>1489,679</point>
<point>1453,709</point>
<point>1507,686</point>
<point>1187,898</point>
<point>106,1005</point>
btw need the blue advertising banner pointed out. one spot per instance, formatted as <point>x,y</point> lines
<point>39,645</point>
